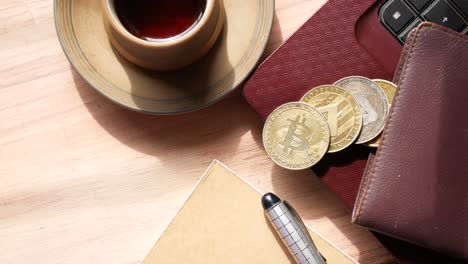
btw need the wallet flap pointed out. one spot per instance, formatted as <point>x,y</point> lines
<point>416,187</point>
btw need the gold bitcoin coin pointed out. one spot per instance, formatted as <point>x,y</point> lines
<point>342,112</point>
<point>296,136</point>
<point>389,89</point>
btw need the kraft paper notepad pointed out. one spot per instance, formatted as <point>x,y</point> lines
<point>223,222</point>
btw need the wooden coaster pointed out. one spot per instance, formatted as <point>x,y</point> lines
<point>246,32</point>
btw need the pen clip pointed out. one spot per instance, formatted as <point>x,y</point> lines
<point>303,227</point>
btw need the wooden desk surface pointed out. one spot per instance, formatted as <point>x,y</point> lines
<point>85,181</point>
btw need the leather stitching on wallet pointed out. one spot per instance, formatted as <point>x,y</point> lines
<point>403,61</point>
<point>369,180</point>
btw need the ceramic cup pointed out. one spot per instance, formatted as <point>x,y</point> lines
<point>166,54</point>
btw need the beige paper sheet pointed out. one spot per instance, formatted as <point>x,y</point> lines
<point>223,222</point>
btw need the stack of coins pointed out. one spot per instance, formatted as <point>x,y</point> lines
<point>328,119</point>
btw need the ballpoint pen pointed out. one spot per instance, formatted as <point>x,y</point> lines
<point>292,230</point>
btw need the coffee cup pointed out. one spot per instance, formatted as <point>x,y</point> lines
<point>167,34</point>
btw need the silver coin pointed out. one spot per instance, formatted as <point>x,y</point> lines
<point>373,102</point>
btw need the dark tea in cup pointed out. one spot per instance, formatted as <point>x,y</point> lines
<point>163,35</point>
<point>159,20</point>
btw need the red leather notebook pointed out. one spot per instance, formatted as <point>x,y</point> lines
<point>322,51</point>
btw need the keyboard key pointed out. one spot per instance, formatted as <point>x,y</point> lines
<point>442,13</point>
<point>420,4</point>
<point>404,35</point>
<point>396,14</point>
<point>462,5</point>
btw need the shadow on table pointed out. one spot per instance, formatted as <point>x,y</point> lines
<point>276,39</point>
<point>160,135</point>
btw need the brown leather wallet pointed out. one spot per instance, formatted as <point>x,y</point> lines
<point>416,186</point>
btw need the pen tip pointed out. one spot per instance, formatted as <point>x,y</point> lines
<point>269,200</point>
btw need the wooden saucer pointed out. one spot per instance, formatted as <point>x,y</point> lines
<point>246,32</point>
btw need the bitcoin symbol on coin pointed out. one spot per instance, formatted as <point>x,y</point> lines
<point>296,138</point>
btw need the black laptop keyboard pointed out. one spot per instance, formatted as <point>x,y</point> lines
<point>401,16</point>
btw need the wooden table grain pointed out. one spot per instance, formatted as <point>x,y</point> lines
<point>85,181</point>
